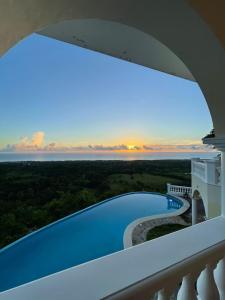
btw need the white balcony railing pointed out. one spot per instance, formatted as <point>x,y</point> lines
<point>188,264</point>
<point>178,190</point>
<point>208,170</point>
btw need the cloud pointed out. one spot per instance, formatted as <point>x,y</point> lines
<point>54,147</point>
<point>37,143</point>
<point>26,144</point>
<point>170,148</point>
<point>108,148</point>
<point>114,147</point>
<point>38,139</point>
<point>152,147</point>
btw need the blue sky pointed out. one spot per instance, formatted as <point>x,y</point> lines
<point>59,94</point>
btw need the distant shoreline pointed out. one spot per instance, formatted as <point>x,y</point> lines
<point>25,157</point>
<point>98,160</point>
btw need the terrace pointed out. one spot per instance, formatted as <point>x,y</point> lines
<point>186,264</point>
<point>208,170</point>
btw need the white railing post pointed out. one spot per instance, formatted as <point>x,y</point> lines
<point>206,286</point>
<point>168,187</point>
<point>187,290</point>
<point>164,294</point>
<point>219,275</point>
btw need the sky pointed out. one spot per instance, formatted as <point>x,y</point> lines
<point>59,97</point>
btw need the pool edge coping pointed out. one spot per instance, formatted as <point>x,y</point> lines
<point>128,232</point>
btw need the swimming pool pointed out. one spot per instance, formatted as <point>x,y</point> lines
<point>91,233</point>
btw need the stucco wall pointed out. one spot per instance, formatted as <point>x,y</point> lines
<point>211,196</point>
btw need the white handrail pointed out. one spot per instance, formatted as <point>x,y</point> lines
<point>168,281</point>
<point>208,170</point>
<point>178,190</point>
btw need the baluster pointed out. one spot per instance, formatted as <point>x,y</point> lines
<point>187,290</point>
<point>206,286</point>
<point>163,295</point>
<point>219,274</point>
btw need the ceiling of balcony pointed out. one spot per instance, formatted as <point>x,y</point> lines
<point>120,41</point>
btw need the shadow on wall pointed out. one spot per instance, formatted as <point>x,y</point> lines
<point>201,214</point>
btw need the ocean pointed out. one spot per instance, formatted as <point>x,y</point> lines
<point>38,156</point>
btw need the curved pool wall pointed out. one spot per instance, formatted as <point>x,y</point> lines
<point>128,233</point>
<point>83,236</point>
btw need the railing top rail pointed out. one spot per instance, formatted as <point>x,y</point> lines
<point>115,272</point>
<point>200,163</point>
<point>176,272</point>
<point>205,161</point>
<point>180,186</point>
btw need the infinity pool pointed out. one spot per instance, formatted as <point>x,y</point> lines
<point>78,238</point>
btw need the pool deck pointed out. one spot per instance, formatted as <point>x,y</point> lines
<point>135,233</point>
<point>140,232</point>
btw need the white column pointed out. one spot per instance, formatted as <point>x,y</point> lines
<point>168,188</point>
<point>194,211</point>
<point>222,180</point>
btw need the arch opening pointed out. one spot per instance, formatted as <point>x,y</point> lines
<point>200,207</point>
<point>194,43</point>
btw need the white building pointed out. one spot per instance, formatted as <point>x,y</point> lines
<point>185,38</point>
<point>205,190</point>
<point>206,184</point>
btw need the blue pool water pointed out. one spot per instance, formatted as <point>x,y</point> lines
<point>81,237</point>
